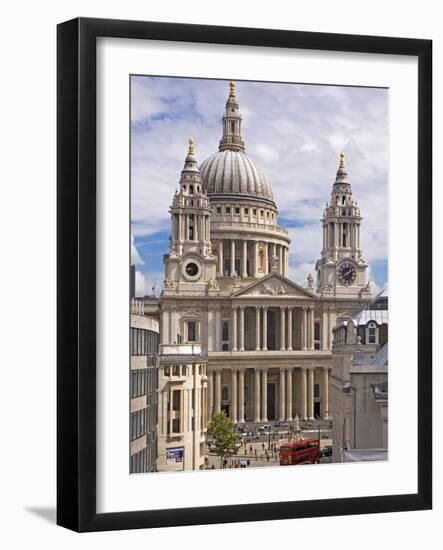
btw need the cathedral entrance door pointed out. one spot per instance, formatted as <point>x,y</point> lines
<point>225,408</point>
<point>271,401</point>
<point>317,408</point>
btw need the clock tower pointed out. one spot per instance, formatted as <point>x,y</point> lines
<point>190,264</point>
<point>341,270</point>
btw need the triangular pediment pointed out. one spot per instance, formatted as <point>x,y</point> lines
<point>275,285</point>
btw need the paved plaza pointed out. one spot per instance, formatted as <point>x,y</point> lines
<point>259,442</point>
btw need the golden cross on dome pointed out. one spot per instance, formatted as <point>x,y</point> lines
<point>342,160</point>
<point>231,88</point>
<point>191,146</point>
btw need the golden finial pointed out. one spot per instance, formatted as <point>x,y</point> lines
<point>191,146</point>
<point>231,88</point>
<point>342,160</point>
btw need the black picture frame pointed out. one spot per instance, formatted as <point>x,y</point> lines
<point>76,280</point>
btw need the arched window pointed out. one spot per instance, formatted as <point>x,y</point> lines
<point>191,189</point>
<point>232,127</point>
<point>316,390</point>
<point>225,393</point>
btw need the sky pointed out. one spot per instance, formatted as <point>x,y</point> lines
<point>294,134</point>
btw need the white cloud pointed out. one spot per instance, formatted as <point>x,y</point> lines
<point>148,284</point>
<point>299,273</point>
<point>135,256</point>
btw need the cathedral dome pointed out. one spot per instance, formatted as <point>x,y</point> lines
<point>230,172</point>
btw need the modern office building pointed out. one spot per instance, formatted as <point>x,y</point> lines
<point>143,383</point>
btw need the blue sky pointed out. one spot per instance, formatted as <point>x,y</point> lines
<point>293,132</point>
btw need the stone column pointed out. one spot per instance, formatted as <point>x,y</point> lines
<point>234,398</point>
<point>241,395</point>
<point>296,392</point>
<point>282,328</point>
<point>232,257</point>
<point>311,328</point>
<point>217,391</point>
<point>265,328</point>
<point>242,328</point>
<point>234,329</point>
<point>280,259</point>
<point>304,327</point>
<point>245,259</point>
<point>220,258</point>
<point>289,394</point>
<point>210,393</point>
<point>289,346</point>
<point>257,328</point>
<point>264,395</point>
<point>257,395</point>
<point>304,392</point>
<point>256,259</point>
<point>196,227</point>
<point>282,395</point>
<point>311,393</point>
<point>217,328</point>
<point>325,394</point>
<point>266,270</point>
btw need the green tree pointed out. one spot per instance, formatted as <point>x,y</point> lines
<point>221,430</point>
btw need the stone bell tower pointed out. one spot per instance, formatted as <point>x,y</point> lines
<point>341,270</point>
<point>190,264</point>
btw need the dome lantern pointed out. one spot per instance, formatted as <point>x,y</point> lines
<point>231,139</point>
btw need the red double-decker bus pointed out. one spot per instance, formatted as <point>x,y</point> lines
<point>300,452</point>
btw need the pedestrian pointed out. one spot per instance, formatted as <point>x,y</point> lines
<point>248,462</point>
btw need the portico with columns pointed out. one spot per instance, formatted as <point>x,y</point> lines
<point>267,393</point>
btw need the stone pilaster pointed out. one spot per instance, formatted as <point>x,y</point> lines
<point>264,395</point>
<point>282,395</point>
<point>289,394</point>
<point>217,391</point>
<point>234,328</point>
<point>265,328</point>
<point>325,394</point>
<point>257,395</point>
<point>242,328</point>
<point>257,328</point>
<point>234,397</point>
<point>289,345</point>
<point>282,328</point>
<point>241,395</point>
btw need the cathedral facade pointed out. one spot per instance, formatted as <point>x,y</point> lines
<point>240,336</point>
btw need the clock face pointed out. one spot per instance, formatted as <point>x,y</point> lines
<point>191,269</point>
<point>347,273</point>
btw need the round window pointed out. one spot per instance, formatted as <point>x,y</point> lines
<point>192,269</point>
